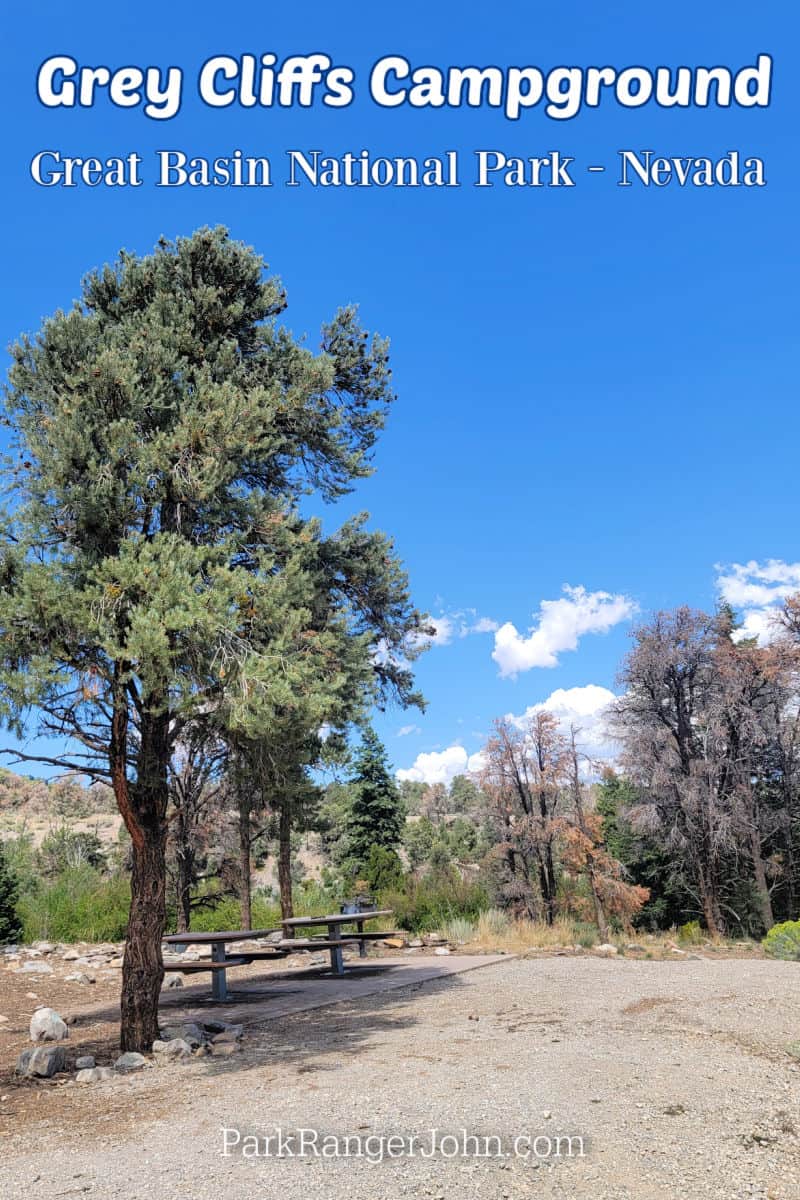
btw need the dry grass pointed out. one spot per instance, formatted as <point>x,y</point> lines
<point>519,937</point>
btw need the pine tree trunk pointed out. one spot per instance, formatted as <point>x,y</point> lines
<point>762,887</point>
<point>143,808</point>
<point>599,910</point>
<point>143,967</point>
<point>285,861</point>
<point>710,904</point>
<point>185,870</point>
<point>548,883</point>
<point>245,886</point>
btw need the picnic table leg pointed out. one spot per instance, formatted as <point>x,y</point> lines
<point>337,961</point>
<point>362,945</point>
<point>219,984</point>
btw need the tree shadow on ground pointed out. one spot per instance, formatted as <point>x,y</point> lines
<point>309,1040</point>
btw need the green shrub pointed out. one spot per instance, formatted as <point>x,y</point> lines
<point>81,905</point>
<point>783,941</point>
<point>690,933</point>
<point>10,924</point>
<point>458,931</point>
<point>424,905</point>
<point>64,848</point>
<point>586,935</point>
<point>383,869</point>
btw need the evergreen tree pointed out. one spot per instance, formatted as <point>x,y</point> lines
<point>154,567</point>
<point>377,814</point>
<point>10,924</point>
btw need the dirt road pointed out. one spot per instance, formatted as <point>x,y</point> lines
<point>675,1075</point>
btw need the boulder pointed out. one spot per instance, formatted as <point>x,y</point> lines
<point>94,1075</point>
<point>223,1049</point>
<point>212,1025</point>
<point>79,978</point>
<point>605,950</point>
<point>42,1063</point>
<point>48,1026</point>
<point>36,968</point>
<point>172,1050</point>
<point>234,1033</point>
<point>70,955</point>
<point>85,1062</point>
<point>44,947</point>
<point>172,980</point>
<point>130,1062</point>
<point>189,1032</point>
<point>442,950</point>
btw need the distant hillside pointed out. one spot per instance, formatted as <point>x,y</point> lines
<point>36,805</point>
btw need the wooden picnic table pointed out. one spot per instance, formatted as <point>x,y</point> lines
<point>335,939</point>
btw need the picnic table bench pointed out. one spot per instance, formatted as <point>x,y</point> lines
<point>334,941</point>
<point>220,959</point>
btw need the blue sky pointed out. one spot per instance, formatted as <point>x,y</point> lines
<point>597,385</point>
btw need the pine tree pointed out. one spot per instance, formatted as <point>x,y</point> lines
<point>377,814</point>
<point>154,566</point>
<point>10,924</point>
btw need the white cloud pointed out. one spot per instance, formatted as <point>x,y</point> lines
<point>757,591</point>
<point>442,630</point>
<point>405,730</point>
<point>586,708</point>
<point>481,625</point>
<point>448,626</point>
<point>440,766</point>
<point>560,626</point>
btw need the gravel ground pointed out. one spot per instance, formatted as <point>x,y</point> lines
<point>676,1075</point>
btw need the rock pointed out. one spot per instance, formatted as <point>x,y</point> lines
<point>70,955</point>
<point>44,947</point>
<point>605,950</point>
<point>233,1033</point>
<point>175,1049</point>
<point>85,1062</point>
<point>635,948</point>
<point>79,978</point>
<point>214,1026</point>
<point>130,1062</point>
<point>3,1020</point>
<point>94,1075</point>
<point>416,943</point>
<point>36,968</point>
<point>42,1063</point>
<point>223,1049</point>
<point>48,1026</point>
<point>442,950</point>
<point>394,943</point>
<point>190,1033</point>
<point>172,980</point>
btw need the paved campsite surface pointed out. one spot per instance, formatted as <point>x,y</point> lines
<point>676,1074</point>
